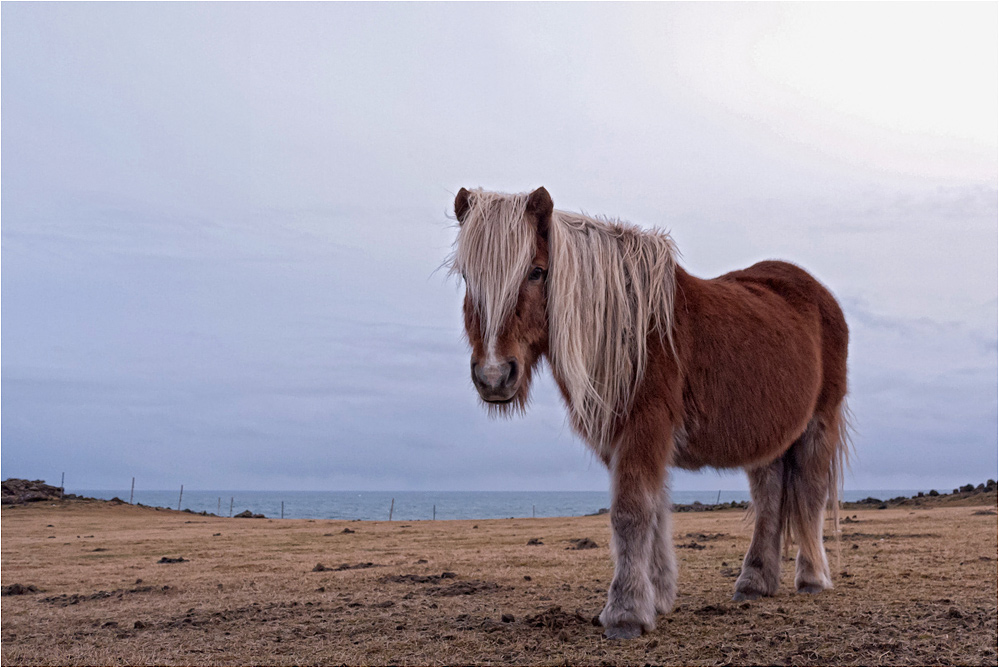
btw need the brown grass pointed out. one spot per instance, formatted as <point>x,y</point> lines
<point>915,586</point>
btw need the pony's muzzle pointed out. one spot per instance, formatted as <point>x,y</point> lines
<point>496,381</point>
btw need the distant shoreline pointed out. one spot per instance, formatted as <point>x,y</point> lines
<point>420,506</point>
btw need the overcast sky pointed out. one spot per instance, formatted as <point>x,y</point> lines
<point>221,223</point>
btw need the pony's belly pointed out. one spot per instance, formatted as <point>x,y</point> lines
<point>717,449</point>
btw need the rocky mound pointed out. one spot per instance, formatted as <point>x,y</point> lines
<point>982,494</point>
<point>19,491</point>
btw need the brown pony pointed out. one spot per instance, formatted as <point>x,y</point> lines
<point>659,368</point>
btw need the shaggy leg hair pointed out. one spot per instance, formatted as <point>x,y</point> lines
<point>631,605</point>
<point>761,568</point>
<point>663,568</point>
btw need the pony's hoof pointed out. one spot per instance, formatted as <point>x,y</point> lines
<point>624,631</point>
<point>811,589</point>
<point>746,596</point>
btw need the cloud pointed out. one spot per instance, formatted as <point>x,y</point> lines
<point>222,225</point>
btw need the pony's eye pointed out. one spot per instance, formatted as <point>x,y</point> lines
<point>536,274</point>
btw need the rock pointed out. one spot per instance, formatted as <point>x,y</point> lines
<point>535,541</point>
<point>18,590</point>
<point>583,544</point>
<point>171,560</point>
<point>692,545</point>
<point>506,619</point>
<point>19,491</point>
<point>348,567</point>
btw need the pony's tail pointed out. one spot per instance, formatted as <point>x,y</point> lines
<point>839,435</point>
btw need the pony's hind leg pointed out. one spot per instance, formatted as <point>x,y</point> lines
<point>663,568</point>
<point>811,477</point>
<point>760,574</point>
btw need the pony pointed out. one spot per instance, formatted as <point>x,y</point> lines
<point>658,369</point>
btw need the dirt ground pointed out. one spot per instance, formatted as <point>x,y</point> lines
<point>914,586</point>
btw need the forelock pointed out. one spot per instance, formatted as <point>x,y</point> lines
<point>493,251</point>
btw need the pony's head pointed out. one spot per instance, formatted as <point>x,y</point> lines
<point>502,252</point>
<point>582,292</point>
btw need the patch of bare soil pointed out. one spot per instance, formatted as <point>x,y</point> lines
<point>914,586</point>
<point>705,537</point>
<point>18,589</point>
<point>583,544</point>
<point>319,568</point>
<point>419,579</point>
<point>556,619</point>
<point>464,588</point>
<point>62,600</point>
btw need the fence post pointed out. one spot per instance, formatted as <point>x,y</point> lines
<point>230,505</point>
<point>435,511</point>
<point>533,515</point>
<point>218,510</point>
<point>131,495</point>
<point>282,510</point>
<point>62,485</point>
<point>181,497</point>
<point>391,508</point>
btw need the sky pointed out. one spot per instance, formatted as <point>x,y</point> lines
<point>222,224</point>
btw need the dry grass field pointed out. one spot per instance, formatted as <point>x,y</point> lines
<point>914,586</point>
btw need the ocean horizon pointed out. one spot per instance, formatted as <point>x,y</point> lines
<point>412,506</point>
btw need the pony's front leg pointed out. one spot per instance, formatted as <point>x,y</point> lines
<point>637,481</point>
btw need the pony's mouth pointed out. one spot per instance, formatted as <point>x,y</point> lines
<point>501,402</point>
<point>499,397</point>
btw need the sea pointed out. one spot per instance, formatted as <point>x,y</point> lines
<point>410,506</point>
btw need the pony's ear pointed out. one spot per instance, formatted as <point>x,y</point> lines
<point>539,203</point>
<point>461,205</point>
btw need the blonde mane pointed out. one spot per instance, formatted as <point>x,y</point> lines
<point>609,285</point>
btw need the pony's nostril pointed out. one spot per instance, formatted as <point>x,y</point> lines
<point>511,373</point>
<point>478,375</point>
